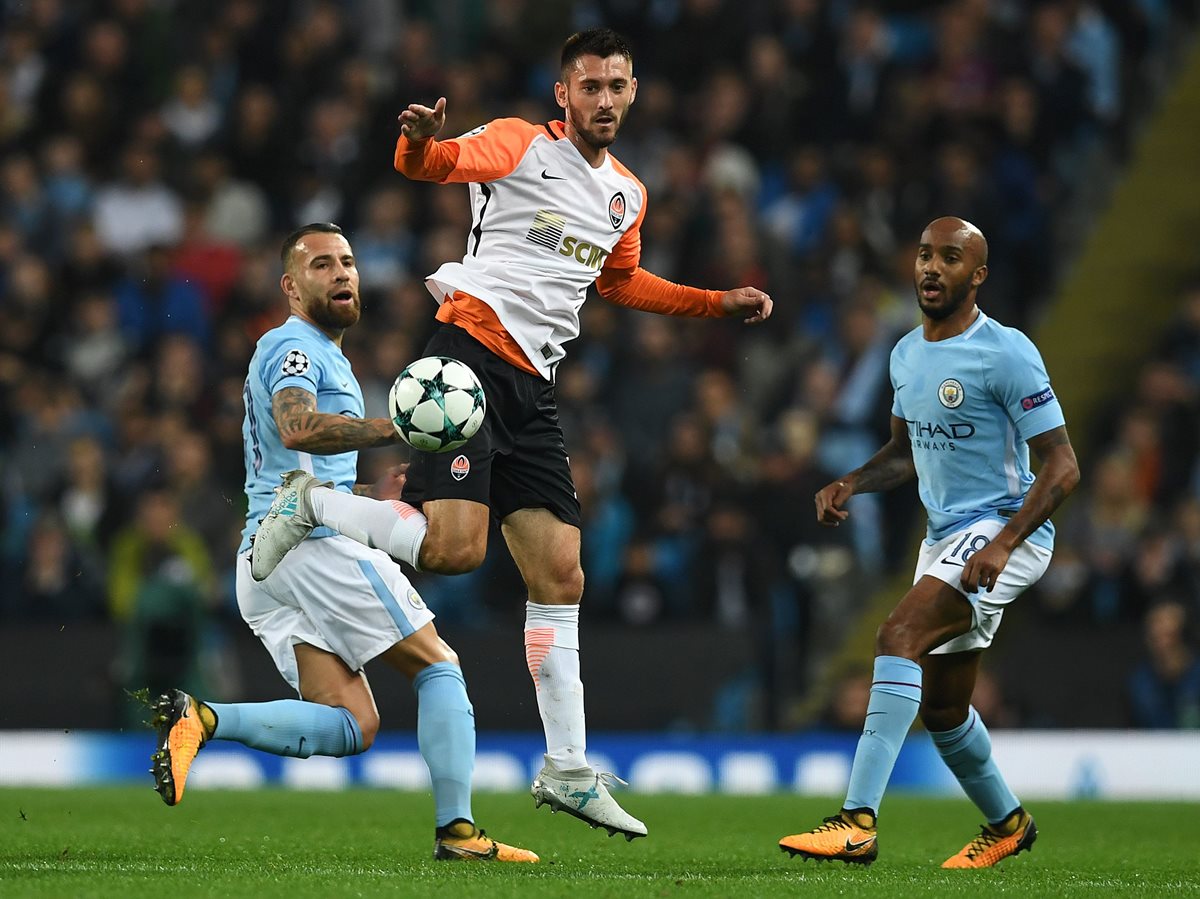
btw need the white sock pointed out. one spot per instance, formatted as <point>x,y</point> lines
<point>391,525</point>
<point>552,652</point>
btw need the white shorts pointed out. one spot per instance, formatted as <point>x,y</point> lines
<point>944,561</point>
<point>332,593</point>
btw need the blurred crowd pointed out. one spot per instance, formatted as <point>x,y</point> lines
<point>1128,556</point>
<point>153,153</point>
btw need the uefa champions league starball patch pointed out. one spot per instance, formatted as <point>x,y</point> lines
<point>295,362</point>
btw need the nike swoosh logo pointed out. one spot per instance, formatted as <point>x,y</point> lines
<point>548,177</point>
<point>854,847</point>
<point>464,852</point>
<point>869,714</point>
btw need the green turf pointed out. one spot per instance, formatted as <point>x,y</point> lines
<point>124,842</point>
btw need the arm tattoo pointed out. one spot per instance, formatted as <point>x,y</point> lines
<point>1049,440</point>
<point>302,427</point>
<point>884,471</point>
<point>890,467</point>
<point>1053,484</point>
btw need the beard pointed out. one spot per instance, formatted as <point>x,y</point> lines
<point>955,299</point>
<point>592,135</point>
<point>334,316</point>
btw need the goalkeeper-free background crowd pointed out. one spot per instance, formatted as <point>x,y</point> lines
<point>152,155</point>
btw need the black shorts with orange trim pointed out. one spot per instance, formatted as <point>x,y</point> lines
<point>517,459</point>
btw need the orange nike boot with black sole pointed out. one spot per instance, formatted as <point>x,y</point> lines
<point>463,841</point>
<point>182,732</point>
<point>847,836</point>
<point>996,842</point>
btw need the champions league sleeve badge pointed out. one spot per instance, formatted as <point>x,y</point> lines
<point>295,363</point>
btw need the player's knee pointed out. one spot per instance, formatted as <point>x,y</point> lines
<point>558,585</point>
<point>368,726</point>
<point>572,584</point>
<point>451,557</point>
<point>895,638</point>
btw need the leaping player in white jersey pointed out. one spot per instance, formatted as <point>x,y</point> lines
<point>971,398</point>
<point>553,213</point>
<point>334,604</point>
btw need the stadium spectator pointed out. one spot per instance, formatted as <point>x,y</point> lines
<point>1164,691</point>
<point>153,301</point>
<point>847,706</point>
<point>156,549</point>
<point>89,504</point>
<point>60,582</point>
<point>191,115</point>
<point>138,211</point>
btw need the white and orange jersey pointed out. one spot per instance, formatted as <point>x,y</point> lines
<point>545,225</point>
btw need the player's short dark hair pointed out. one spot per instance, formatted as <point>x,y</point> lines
<point>289,242</point>
<point>602,42</point>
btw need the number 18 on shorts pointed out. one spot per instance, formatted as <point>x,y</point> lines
<point>944,560</point>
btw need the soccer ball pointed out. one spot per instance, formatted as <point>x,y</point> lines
<point>437,404</point>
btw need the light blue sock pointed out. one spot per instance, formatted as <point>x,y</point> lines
<point>967,751</point>
<point>289,727</point>
<point>895,699</point>
<point>446,736</point>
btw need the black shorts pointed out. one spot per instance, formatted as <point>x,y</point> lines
<point>517,459</point>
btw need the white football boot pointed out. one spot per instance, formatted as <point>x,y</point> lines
<point>287,522</point>
<point>584,794</point>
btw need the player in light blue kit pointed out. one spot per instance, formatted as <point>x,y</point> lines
<point>333,604</point>
<point>971,398</point>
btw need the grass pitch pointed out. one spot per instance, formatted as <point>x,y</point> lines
<point>124,842</point>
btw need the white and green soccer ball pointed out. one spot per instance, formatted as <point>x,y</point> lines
<point>437,404</point>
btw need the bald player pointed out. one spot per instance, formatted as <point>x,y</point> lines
<point>971,397</point>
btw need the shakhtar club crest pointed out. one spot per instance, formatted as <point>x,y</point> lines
<point>616,209</point>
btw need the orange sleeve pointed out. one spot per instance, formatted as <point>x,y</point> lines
<point>639,289</point>
<point>624,282</point>
<point>425,160</point>
<point>628,251</point>
<point>489,152</point>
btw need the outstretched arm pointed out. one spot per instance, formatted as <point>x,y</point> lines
<point>888,468</point>
<point>1058,476</point>
<point>640,289</point>
<point>302,427</point>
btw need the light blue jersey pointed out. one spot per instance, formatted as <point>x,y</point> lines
<point>296,354</point>
<point>970,403</point>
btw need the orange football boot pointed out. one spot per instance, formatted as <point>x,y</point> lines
<point>996,842</point>
<point>463,841</point>
<point>181,734</point>
<point>839,837</point>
